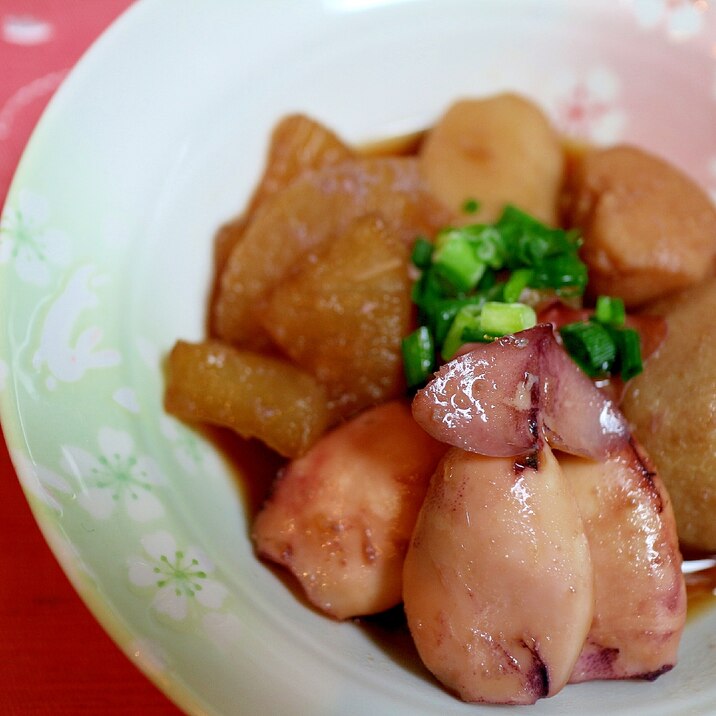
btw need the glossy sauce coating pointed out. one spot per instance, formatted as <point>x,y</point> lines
<point>640,597</point>
<point>498,579</point>
<point>340,517</point>
<point>504,398</point>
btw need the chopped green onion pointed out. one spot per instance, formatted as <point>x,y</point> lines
<point>468,317</point>
<point>487,242</point>
<point>516,283</point>
<point>471,206</point>
<point>563,272</point>
<point>488,281</point>
<point>500,319</point>
<point>529,241</point>
<point>422,254</point>
<point>610,311</point>
<point>472,279</point>
<point>475,322</point>
<point>629,346</point>
<point>456,261</point>
<point>418,356</point>
<point>591,346</point>
<point>443,314</point>
<point>489,247</point>
<point>427,290</point>
<point>475,334</point>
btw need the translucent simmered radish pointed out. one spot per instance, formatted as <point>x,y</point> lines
<point>340,517</point>
<point>296,224</point>
<point>298,143</point>
<point>343,317</point>
<point>257,396</point>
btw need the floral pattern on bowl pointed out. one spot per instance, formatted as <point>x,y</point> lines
<point>105,245</point>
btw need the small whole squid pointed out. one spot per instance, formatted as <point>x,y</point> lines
<point>512,545</point>
<point>639,592</point>
<point>340,517</point>
<point>497,582</point>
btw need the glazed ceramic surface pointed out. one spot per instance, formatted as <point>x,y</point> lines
<point>105,260</point>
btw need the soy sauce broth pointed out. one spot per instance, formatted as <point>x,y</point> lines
<point>700,576</point>
<point>255,468</point>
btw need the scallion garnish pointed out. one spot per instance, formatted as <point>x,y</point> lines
<point>470,206</point>
<point>469,267</point>
<point>629,346</point>
<point>564,272</point>
<point>486,241</point>
<point>418,356</point>
<point>530,242</point>
<point>591,346</point>
<point>501,319</point>
<point>422,254</point>
<point>603,346</point>
<point>515,284</point>
<point>456,261</point>
<point>444,311</point>
<point>470,288</point>
<point>610,311</point>
<point>427,290</point>
<point>466,319</point>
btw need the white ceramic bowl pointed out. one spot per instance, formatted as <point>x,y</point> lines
<point>156,138</point>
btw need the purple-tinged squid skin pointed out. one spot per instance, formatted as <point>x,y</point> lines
<point>639,593</point>
<point>516,398</point>
<point>497,582</point>
<point>341,516</point>
<point>504,398</point>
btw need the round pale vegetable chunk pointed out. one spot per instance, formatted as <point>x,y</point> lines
<point>648,229</point>
<point>497,151</point>
<point>340,517</point>
<point>672,405</point>
<point>498,578</point>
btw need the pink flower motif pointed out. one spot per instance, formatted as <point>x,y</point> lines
<point>578,111</point>
<point>586,108</point>
<point>681,18</point>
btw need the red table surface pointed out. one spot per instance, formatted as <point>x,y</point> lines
<point>54,657</point>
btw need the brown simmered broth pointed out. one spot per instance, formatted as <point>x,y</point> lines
<point>372,506</point>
